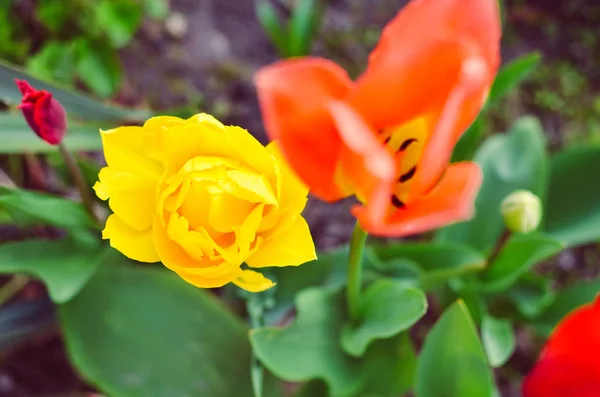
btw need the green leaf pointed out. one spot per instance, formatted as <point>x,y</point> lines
<point>53,14</point>
<point>389,367</point>
<point>65,266</point>
<point>387,308</point>
<point>17,137</point>
<point>519,254</point>
<point>329,269</point>
<point>498,340</point>
<point>54,62</point>
<point>143,332</point>
<point>467,144</point>
<point>33,208</point>
<point>512,161</point>
<point>452,361</point>
<point>512,74</point>
<point>309,348</point>
<point>573,208</point>
<point>118,19</point>
<point>98,67</point>
<point>271,24</point>
<point>77,105</point>
<point>531,295</point>
<point>303,24</point>
<point>564,302</point>
<point>438,262</point>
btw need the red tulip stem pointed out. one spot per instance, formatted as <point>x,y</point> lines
<point>78,179</point>
<point>355,272</point>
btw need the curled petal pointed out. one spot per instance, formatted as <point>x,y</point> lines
<point>450,201</point>
<point>568,365</point>
<point>291,246</point>
<point>366,165</point>
<point>133,244</point>
<point>253,281</point>
<point>293,95</point>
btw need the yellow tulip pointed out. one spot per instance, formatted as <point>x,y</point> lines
<point>203,198</point>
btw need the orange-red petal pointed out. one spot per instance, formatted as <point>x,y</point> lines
<point>365,164</point>
<point>293,95</point>
<point>568,365</point>
<point>450,201</point>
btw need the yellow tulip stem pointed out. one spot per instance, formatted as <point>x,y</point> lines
<point>255,312</point>
<point>78,179</point>
<point>355,271</point>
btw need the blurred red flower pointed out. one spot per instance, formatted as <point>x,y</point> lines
<point>388,137</point>
<point>44,114</point>
<point>569,364</point>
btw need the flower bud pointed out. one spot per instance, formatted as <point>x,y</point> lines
<point>44,114</point>
<point>522,211</point>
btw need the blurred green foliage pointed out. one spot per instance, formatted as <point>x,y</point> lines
<point>74,41</point>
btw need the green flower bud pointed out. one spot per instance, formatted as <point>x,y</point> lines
<point>522,211</point>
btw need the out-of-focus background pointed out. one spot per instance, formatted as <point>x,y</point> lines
<point>185,56</point>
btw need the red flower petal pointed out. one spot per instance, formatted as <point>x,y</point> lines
<point>450,201</point>
<point>568,365</point>
<point>293,95</point>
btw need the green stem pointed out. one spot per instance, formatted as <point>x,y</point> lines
<point>355,270</point>
<point>78,179</point>
<point>12,287</point>
<point>255,311</point>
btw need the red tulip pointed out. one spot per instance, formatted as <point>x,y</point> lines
<point>569,365</point>
<point>44,114</point>
<point>388,137</point>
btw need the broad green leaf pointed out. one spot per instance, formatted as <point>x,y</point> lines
<point>564,302</point>
<point>65,265</point>
<point>573,208</point>
<point>54,62</point>
<point>309,348</point>
<point>498,340</point>
<point>77,105</point>
<point>17,137</point>
<point>53,14</point>
<point>328,270</point>
<point>118,19</point>
<point>272,25</point>
<point>302,26</point>
<point>512,74</point>
<point>33,208</point>
<point>98,67</point>
<point>518,255</point>
<point>143,332</point>
<point>512,161</point>
<point>452,362</point>
<point>438,262</point>
<point>387,308</point>
<point>531,295</point>
<point>389,367</point>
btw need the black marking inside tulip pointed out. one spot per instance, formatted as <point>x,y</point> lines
<point>405,177</point>
<point>387,140</point>
<point>406,144</point>
<point>396,202</point>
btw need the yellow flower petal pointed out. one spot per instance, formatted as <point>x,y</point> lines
<point>130,197</point>
<point>292,191</point>
<point>134,244</point>
<point>205,118</point>
<point>126,149</point>
<point>291,246</point>
<point>253,281</point>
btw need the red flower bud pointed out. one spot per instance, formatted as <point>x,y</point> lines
<point>44,114</point>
